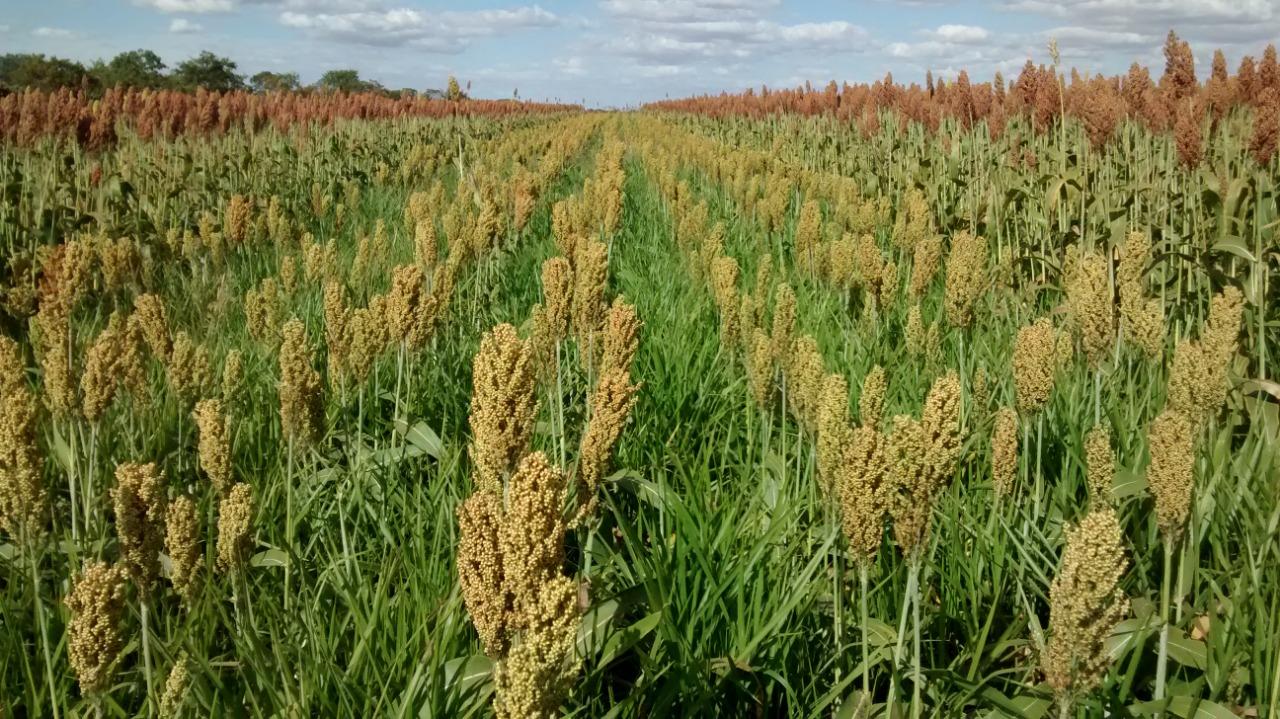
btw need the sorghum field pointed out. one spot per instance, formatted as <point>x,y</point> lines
<point>876,400</point>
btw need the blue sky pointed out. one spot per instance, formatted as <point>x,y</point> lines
<point>621,52</point>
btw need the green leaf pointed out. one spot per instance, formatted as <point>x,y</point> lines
<point>270,558</point>
<point>1187,651</point>
<point>594,623</point>
<point>1128,483</point>
<point>466,672</point>
<point>424,438</point>
<point>626,638</point>
<point>1124,637</point>
<point>1185,707</point>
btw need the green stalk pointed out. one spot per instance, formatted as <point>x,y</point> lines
<point>146,651</point>
<point>866,654</point>
<point>917,681</point>
<point>1162,663</point>
<point>288,524</point>
<point>44,632</point>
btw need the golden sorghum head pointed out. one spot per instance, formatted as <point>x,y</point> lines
<point>96,603</point>
<point>319,261</point>
<point>979,393</point>
<point>337,330</point>
<point>1085,604</point>
<point>759,360</point>
<point>747,318</point>
<point>480,570</point>
<point>189,372</point>
<point>925,260</point>
<point>809,236</point>
<point>182,544</point>
<point>139,503</point>
<point>804,380</point>
<point>232,375</point>
<point>289,274</point>
<point>1089,302</point>
<point>149,313</point>
<point>426,249</point>
<point>131,361</point>
<point>621,337</point>
<point>1143,322</point>
<point>914,222</point>
<point>941,421</point>
<point>910,499</point>
<point>502,405</point>
<point>301,412</point>
<point>1004,452</point>
<point>1171,474</point>
<point>1134,254</point>
<point>263,310</point>
<point>235,523</point>
<point>236,220</point>
<point>1100,463</point>
<point>591,267</point>
<point>916,333</point>
<point>119,260</point>
<point>870,264</point>
<point>842,262</point>
<point>100,379</point>
<point>1219,341</point>
<point>534,678</point>
<point>1035,362</point>
<point>834,433</point>
<point>176,688</point>
<point>888,284</point>
<point>922,460</point>
<point>784,322</point>
<point>724,286</point>
<point>215,443</point>
<point>1198,380</point>
<point>403,304</point>
<point>611,405</point>
<point>966,277</point>
<point>863,491</point>
<point>557,294</point>
<point>531,536</point>
<point>871,402</point>
<point>562,227</point>
<point>764,282</point>
<point>22,494</point>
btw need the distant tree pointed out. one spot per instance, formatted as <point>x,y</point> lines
<point>41,73</point>
<point>275,82</point>
<point>432,93</point>
<point>454,92</point>
<point>342,81</point>
<point>135,68</point>
<point>210,72</point>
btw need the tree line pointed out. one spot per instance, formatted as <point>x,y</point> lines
<point>143,69</point>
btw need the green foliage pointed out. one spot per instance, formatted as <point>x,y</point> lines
<point>267,81</point>
<point>208,71</point>
<point>135,68</point>
<point>40,72</point>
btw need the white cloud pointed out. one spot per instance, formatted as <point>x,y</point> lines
<point>184,26</point>
<point>668,33</point>
<point>959,33</point>
<point>575,66</point>
<point>193,6</point>
<point>56,33</point>
<point>441,32</point>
